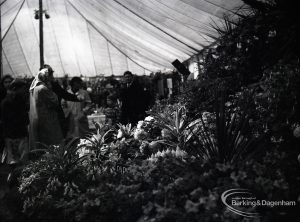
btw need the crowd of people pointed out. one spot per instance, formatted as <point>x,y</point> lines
<point>47,112</point>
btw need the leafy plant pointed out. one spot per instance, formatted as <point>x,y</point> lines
<point>98,143</point>
<point>232,139</point>
<point>125,131</point>
<point>65,154</point>
<point>176,127</point>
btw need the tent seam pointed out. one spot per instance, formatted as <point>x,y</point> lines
<point>17,36</point>
<point>76,56</point>
<point>56,43</point>
<point>178,47</point>
<point>156,26</point>
<point>34,31</point>
<point>182,13</point>
<point>179,22</point>
<point>209,13</point>
<point>106,37</point>
<point>3,2</point>
<point>109,56</point>
<point>8,62</point>
<point>153,53</point>
<point>10,9</point>
<point>92,51</point>
<point>229,10</point>
<point>12,21</point>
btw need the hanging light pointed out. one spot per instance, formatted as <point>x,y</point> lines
<point>47,16</point>
<point>36,14</point>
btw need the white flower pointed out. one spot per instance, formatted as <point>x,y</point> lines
<point>140,124</point>
<point>228,104</point>
<point>84,151</point>
<point>84,142</point>
<point>275,140</point>
<point>140,134</point>
<point>272,33</point>
<point>120,134</point>
<point>149,118</point>
<point>296,132</point>
<point>154,145</point>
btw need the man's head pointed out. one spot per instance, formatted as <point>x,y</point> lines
<point>110,100</point>
<point>6,81</point>
<point>128,77</point>
<point>18,86</point>
<point>76,84</point>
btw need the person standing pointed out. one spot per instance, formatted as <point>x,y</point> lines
<point>4,84</point>
<point>61,93</point>
<point>133,100</point>
<point>77,112</point>
<point>14,117</point>
<point>44,128</point>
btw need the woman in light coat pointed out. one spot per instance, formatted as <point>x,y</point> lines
<point>44,129</point>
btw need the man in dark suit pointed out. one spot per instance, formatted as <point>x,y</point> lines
<point>133,100</point>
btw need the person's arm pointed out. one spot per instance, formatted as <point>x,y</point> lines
<point>61,93</point>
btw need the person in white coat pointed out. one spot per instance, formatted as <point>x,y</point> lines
<point>77,112</point>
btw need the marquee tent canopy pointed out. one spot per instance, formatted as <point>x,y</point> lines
<point>105,37</point>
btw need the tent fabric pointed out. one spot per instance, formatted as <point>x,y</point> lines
<point>108,37</point>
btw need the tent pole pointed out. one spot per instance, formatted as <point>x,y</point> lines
<point>41,33</point>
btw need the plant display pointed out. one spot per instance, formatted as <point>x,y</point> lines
<point>169,185</point>
<point>126,178</point>
<point>236,126</point>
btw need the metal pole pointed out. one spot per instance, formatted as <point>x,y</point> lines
<point>41,31</point>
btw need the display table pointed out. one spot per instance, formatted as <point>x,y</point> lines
<point>98,118</point>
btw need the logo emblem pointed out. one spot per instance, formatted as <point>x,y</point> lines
<point>241,202</point>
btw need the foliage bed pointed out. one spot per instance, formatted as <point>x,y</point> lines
<point>237,126</point>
